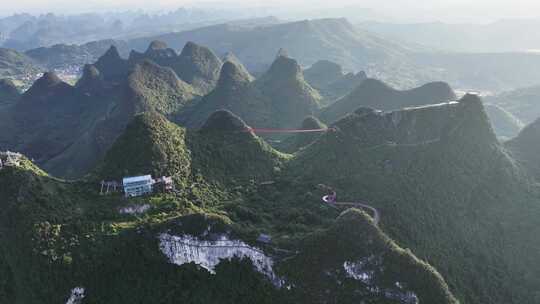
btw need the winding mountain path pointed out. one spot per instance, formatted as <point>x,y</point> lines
<point>331,200</point>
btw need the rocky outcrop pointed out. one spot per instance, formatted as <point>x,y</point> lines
<point>185,249</point>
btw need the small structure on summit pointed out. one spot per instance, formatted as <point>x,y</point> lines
<point>164,184</point>
<point>138,185</point>
<point>110,187</point>
<point>10,159</point>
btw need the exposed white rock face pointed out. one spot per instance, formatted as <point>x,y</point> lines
<point>77,295</point>
<point>365,270</point>
<point>134,210</point>
<point>187,249</point>
<point>355,270</point>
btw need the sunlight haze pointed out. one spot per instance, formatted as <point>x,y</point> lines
<point>408,10</point>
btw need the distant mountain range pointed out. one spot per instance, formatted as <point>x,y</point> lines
<point>310,40</point>
<point>509,35</point>
<point>26,31</point>
<point>400,63</point>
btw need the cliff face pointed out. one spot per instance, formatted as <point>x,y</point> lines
<point>185,249</point>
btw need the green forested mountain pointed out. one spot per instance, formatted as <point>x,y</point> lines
<point>196,65</point>
<point>445,189</point>
<point>83,240</point>
<point>67,129</point>
<point>280,98</point>
<point>297,141</point>
<point>448,191</point>
<point>431,207</point>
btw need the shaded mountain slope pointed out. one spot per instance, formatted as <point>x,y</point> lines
<point>68,129</point>
<point>196,65</point>
<point>295,142</point>
<point>330,80</point>
<point>111,65</point>
<point>8,92</point>
<point>157,87</point>
<point>526,148</point>
<point>376,94</point>
<point>220,152</point>
<point>223,151</point>
<point>148,87</point>
<point>322,73</point>
<point>279,99</point>
<point>446,189</point>
<point>230,57</point>
<point>150,145</point>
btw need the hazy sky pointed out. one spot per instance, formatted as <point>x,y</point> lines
<point>421,9</point>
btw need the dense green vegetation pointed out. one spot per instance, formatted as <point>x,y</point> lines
<point>447,190</point>
<point>67,129</point>
<point>297,141</point>
<point>460,212</point>
<point>318,273</point>
<point>280,98</point>
<point>65,234</point>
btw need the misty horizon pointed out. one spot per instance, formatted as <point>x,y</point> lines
<point>383,11</point>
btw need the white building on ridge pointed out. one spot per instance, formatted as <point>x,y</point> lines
<point>138,185</point>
